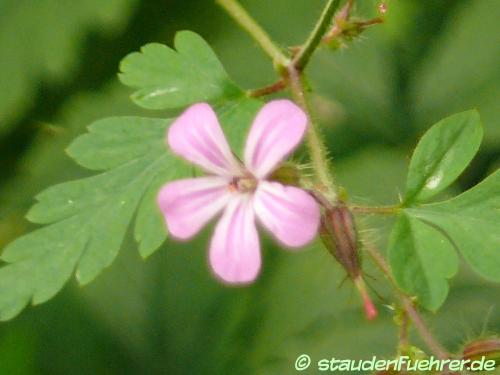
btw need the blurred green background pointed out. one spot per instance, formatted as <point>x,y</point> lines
<point>167,315</point>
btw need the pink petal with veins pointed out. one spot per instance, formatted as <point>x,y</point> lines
<point>197,136</point>
<point>235,249</point>
<point>289,213</point>
<point>276,131</point>
<point>189,204</point>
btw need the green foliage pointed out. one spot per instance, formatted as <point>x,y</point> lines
<point>89,217</point>
<point>442,154</point>
<point>471,220</point>
<point>421,256</point>
<point>422,259</point>
<point>166,78</point>
<point>153,316</point>
<point>41,40</point>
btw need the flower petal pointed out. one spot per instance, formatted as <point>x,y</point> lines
<point>276,131</point>
<point>235,249</point>
<point>197,136</point>
<point>190,203</point>
<point>289,213</point>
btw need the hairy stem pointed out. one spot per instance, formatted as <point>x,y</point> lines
<point>315,145</point>
<point>437,349</point>
<point>291,72</point>
<point>292,76</point>
<point>240,15</point>
<point>302,58</point>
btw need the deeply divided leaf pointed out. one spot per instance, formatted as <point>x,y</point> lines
<point>87,219</point>
<point>442,154</point>
<point>422,259</point>
<point>472,221</point>
<point>167,78</point>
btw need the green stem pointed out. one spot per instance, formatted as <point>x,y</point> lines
<point>300,61</point>
<point>384,210</point>
<point>404,341</point>
<point>315,145</point>
<point>437,349</point>
<point>240,15</point>
<point>291,72</point>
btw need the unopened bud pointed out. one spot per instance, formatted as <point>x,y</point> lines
<point>338,233</point>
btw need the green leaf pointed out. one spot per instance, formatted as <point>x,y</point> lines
<point>89,217</point>
<point>236,117</point>
<point>166,78</point>
<point>149,230</point>
<point>111,142</point>
<point>472,221</point>
<point>442,154</point>
<point>421,260</point>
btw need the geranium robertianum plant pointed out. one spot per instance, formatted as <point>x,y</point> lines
<point>86,220</point>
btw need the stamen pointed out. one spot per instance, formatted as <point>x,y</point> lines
<point>233,187</point>
<point>242,184</point>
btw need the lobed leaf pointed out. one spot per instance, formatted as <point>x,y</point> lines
<point>111,142</point>
<point>88,218</point>
<point>168,78</point>
<point>472,222</point>
<point>421,260</point>
<point>442,154</point>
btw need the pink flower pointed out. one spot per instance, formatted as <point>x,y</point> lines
<point>241,191</point>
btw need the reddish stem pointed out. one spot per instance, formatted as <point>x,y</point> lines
<point>266,90</point>
<point>370,309</point>
<point>407,304</point>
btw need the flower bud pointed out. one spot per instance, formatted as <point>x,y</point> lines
<point>338,233</point>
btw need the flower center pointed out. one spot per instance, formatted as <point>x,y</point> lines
<point>245,184</point>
